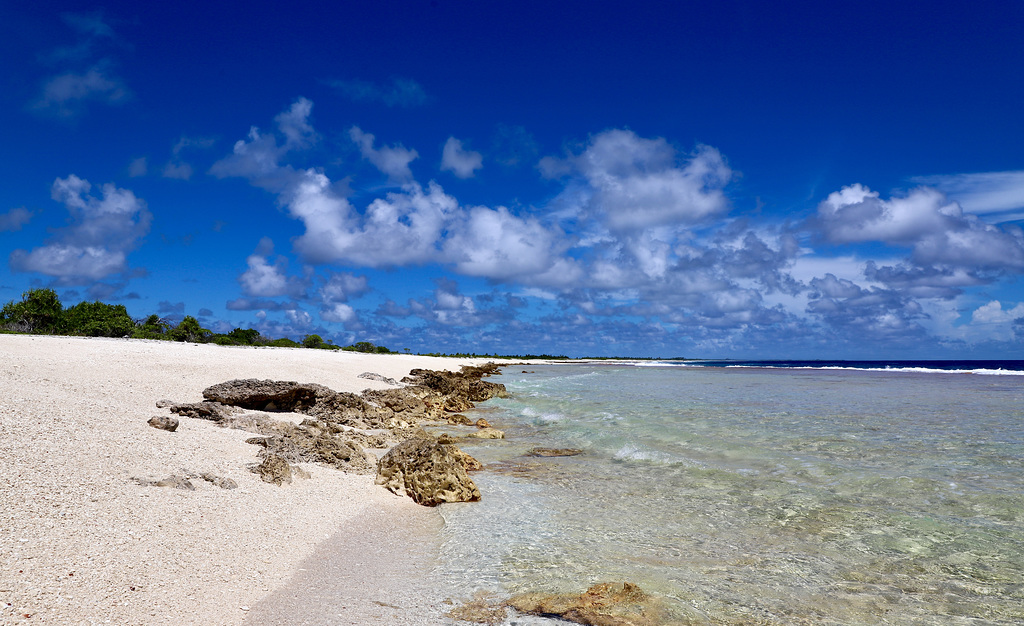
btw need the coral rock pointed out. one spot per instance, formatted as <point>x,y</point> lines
<point>606,604</point>
<point>164,422</point>
<point>427,471</point>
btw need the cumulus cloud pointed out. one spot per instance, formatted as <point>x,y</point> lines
<point>266,279</point>
<point>390,160</point>
<point>994,313</point>
<point>400,92</point>
<point>342,286</point>
<point>925,220</point>
<point>461,162</point>
<point>865,314</point>
<point>14,219</point>
<point>257,157</point>
<point>104,230</point>
<point>636,183</point>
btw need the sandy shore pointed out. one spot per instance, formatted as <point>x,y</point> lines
<point>82,543</point>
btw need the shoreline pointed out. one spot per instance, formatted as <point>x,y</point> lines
<point>80,542</point>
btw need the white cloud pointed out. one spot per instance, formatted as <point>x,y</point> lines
<point>338,312</point>
<point>392,161</point>
<point>993,313</point>
<point>294,124</point>
<point>264,279</point>
<point>341,287</point>
<point>639,183</point>
<point>495,244</point>
<point>986,193</point>
<point>456,159</point>
<point>103,230</point>
<point>935,227</point>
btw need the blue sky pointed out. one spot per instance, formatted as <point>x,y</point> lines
<point>728,179</point>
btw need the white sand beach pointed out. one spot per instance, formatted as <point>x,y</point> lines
<point>82,543</point>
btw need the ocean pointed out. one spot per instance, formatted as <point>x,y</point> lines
<point>756,492</point>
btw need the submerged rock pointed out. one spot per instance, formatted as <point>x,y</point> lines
<point>606,604</point>
<point>428,471</point>
<point>554,452</point>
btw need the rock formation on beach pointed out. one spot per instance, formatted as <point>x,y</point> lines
<point>428,471</point>
<point>341,425</point>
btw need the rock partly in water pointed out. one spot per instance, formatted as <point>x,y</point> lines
<point>459,390</point>
<point>482,423</point>
<point>458,419</point>
<point>428,471</point>
<point>164,422</point>
<point>486,433</point>
<point>554,452</point>
<point>606,604</point>
<point>482,609</point>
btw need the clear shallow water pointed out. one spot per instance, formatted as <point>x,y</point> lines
<point>751,495</point>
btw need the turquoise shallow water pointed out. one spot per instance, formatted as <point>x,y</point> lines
<point>749,495</point>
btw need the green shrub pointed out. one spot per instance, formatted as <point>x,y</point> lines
<point>246,336</point>
<point>39,311</point>
<point>312,341</point>
<point>284,342</point>
<point>189,330</point>
<point>96,319</point>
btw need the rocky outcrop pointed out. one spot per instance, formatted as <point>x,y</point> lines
<point>459,391</point>
<point>341,425</point>
<point>428,471</point>
<point>213,411</point>
<point>606,604</point>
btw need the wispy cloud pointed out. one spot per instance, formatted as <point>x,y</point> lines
<point>14,219</point>
<point>87,75</point>
<point>399,92</point>
<point>461,162</point>
<point>999,196</point>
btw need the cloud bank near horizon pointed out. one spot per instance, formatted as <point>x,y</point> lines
<point>640,244</point>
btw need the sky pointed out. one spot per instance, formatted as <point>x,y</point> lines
<point>650,179</point>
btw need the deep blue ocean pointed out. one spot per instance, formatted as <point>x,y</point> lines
<point>782,492</point>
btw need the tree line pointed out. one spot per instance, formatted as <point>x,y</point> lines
<point>41,312</point>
